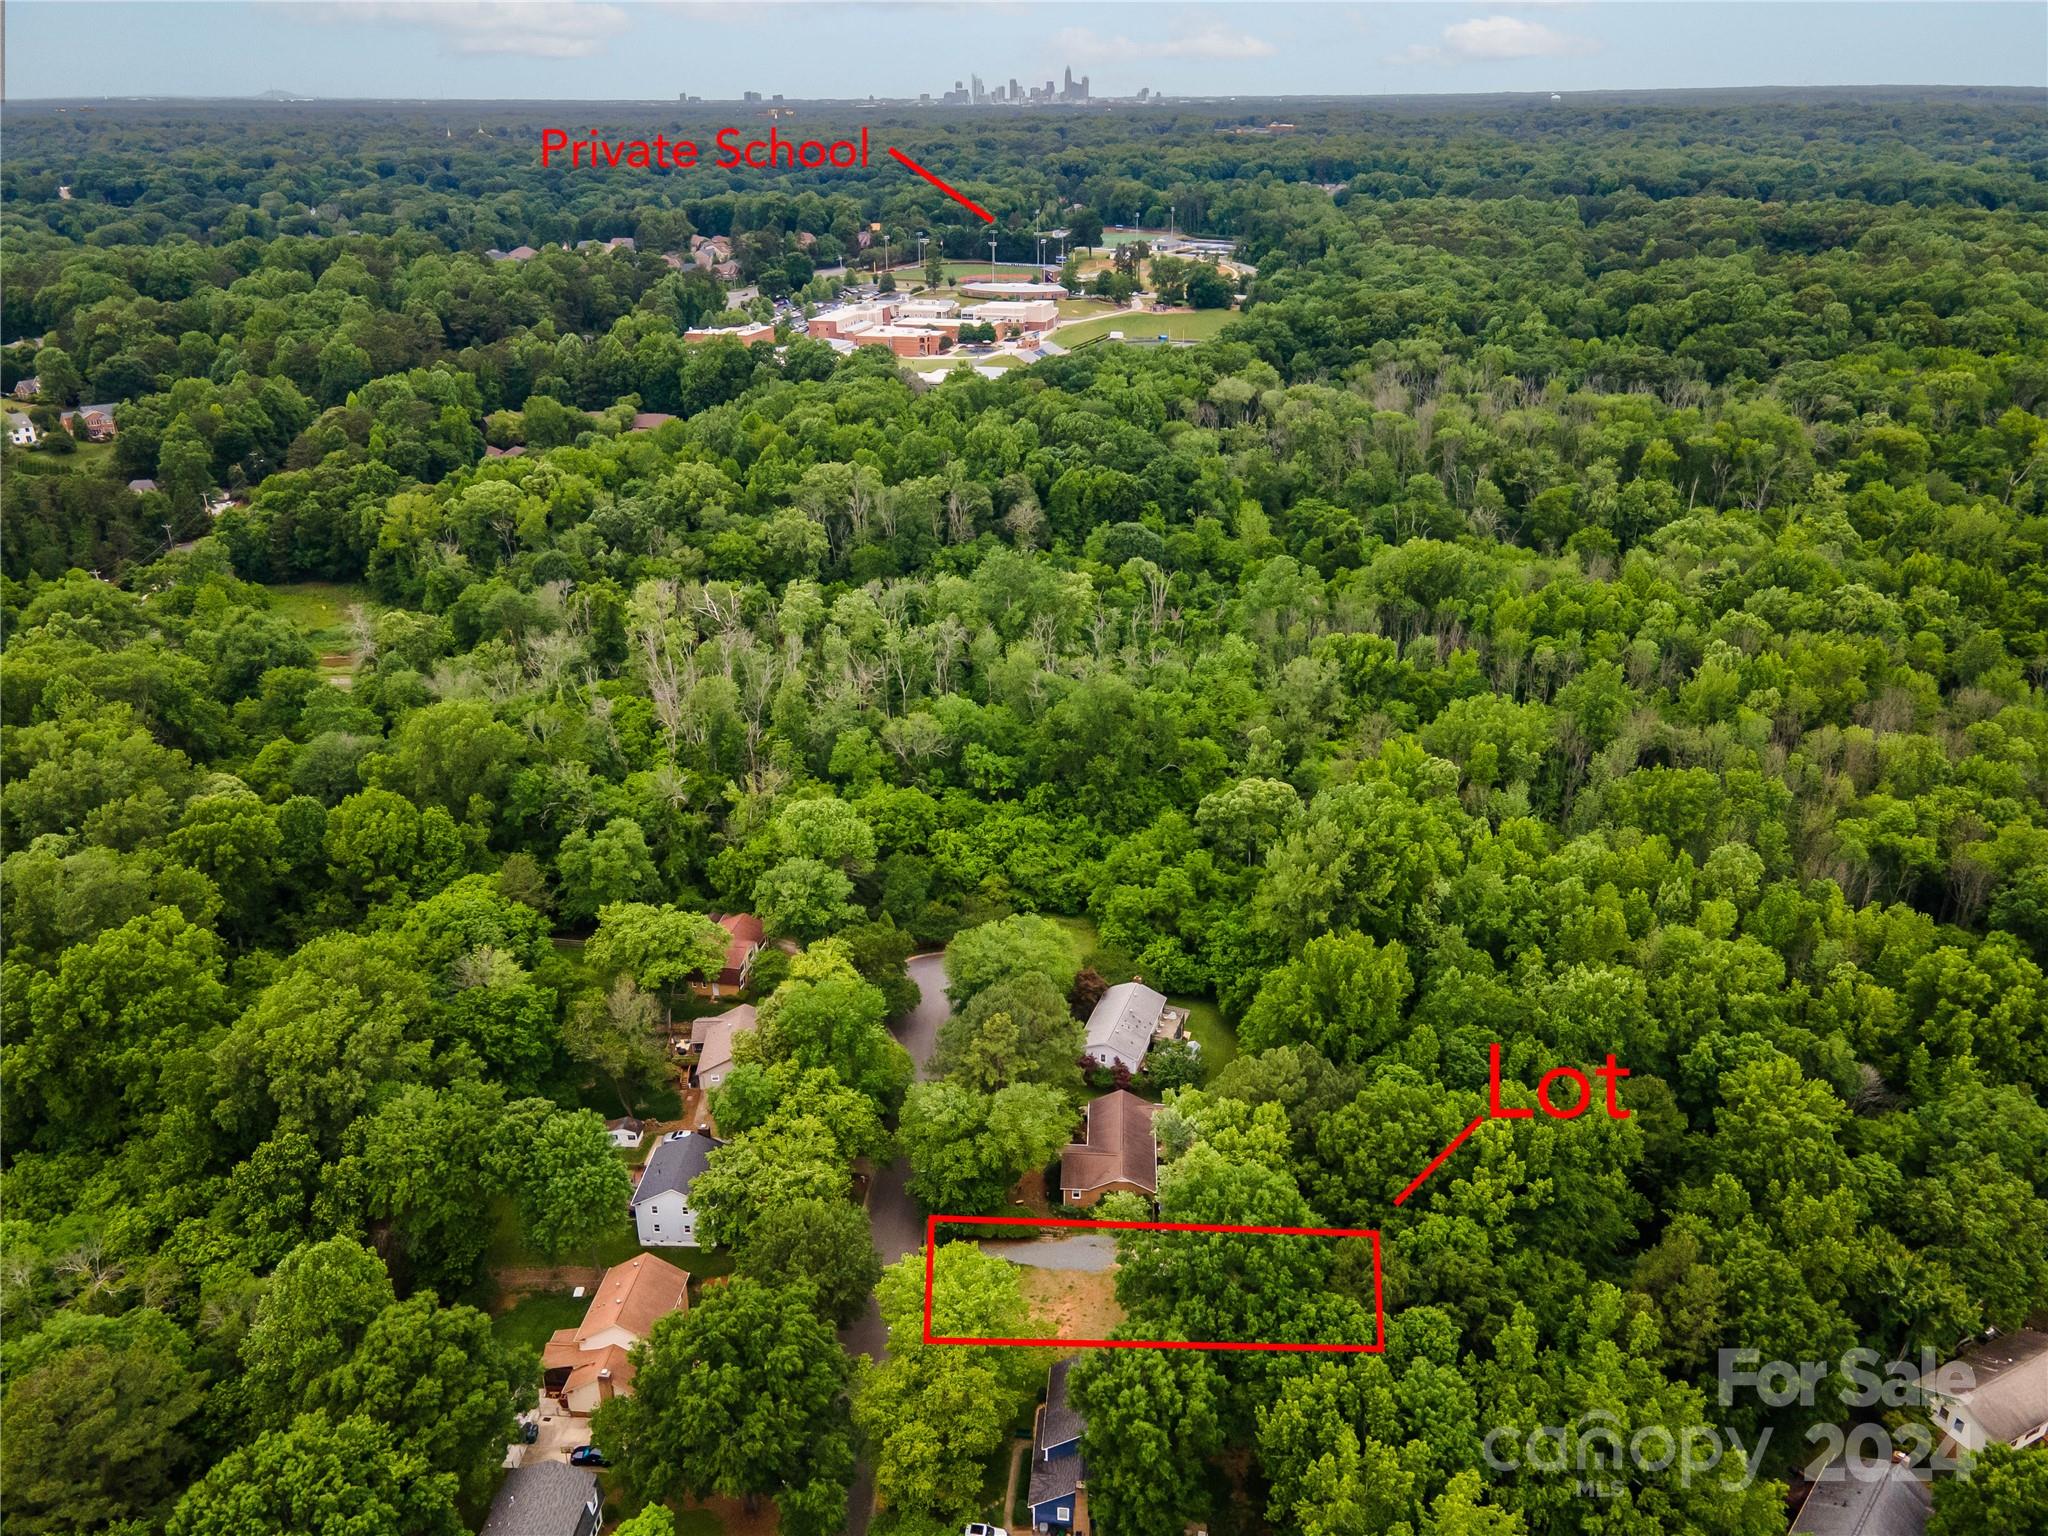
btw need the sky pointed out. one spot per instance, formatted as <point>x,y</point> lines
<point>657,49</point>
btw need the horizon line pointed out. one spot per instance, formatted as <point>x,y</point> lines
<point>277,96</point>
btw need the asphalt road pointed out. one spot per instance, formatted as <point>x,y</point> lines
<point>897,1222</point>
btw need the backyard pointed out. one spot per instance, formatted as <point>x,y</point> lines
<point>1205,1019</point>
<point>319,610</point>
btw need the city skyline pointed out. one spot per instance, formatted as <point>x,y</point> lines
<point>972,93</point>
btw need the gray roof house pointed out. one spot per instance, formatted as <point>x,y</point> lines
<point>1996,1389</point>
<point>1865,1498</point>
<point>713,1038</point>
<point>1120,1029</point>
<point>1057,1475</point>
<point>549,1498</point>
<point>661,1201</point>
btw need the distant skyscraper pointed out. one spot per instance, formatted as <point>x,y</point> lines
<point>1016,91</point>
<point>1084,87</point>
<point>1067,89</point>
<point>977,95</point>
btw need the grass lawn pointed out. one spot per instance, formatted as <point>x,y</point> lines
<point>1082,931</point>
<point>959,364</point>
<point>528,1324</point>
<point>956,270</point>
<point>1205,1023</point>
<point>1192,325</point>
<point>510,1250</point>
<point>1082,309</point>
<point>88,459</point>
<point>319,611</point>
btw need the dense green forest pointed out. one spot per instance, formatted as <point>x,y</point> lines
<point>1593,598</point>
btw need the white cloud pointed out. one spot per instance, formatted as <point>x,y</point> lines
<point>1492,40</point>
<point>561,30</point>
<point>1210,42</point>
<point>1507,37</point>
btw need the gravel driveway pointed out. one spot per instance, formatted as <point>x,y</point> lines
<point>1090,1252</point>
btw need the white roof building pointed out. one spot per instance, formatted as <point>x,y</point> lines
<point>1022,312</point>
<point>1120,1029</point>
<point>997,288</point>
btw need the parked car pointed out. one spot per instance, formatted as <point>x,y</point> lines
<point>587,1456</point>
<point>529,1431</point>
<point>976,1528</point>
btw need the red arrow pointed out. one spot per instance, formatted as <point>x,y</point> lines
<point>958,197</point>
<point>1437,1162</point>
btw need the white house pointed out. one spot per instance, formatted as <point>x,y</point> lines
<point>1121,1027</point>
<point>1993,1391</point>
<point>624,1133</point>
<point>661,1203</point>
<point>20,430</point>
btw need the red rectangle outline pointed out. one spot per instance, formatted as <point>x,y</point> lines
<point>1379,1310</point>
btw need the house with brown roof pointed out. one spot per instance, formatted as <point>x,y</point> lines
<point>647,421</point>
<point>588,1365</point>
<point>1117,1150</point>
<point>744,936</point>
<point>99,422</point>
<point>1996,1390</point>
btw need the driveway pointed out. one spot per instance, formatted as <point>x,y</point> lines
<point>919,1029</point>
<point>560,1433</point>
<point>1092,1252</point>
<point>898,1223</point>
